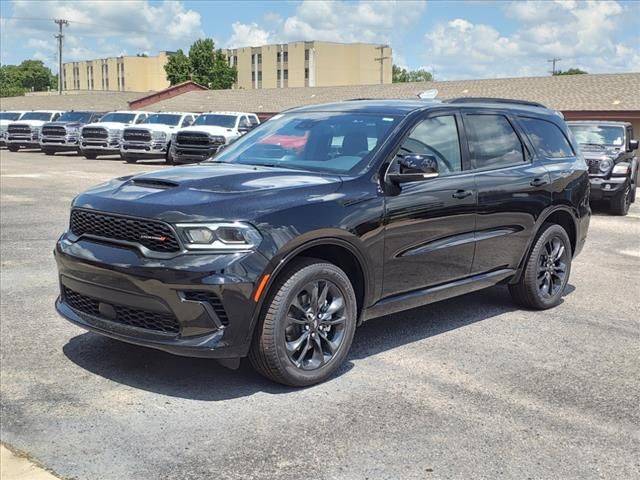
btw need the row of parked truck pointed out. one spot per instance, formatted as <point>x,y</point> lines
<point>177,137</point>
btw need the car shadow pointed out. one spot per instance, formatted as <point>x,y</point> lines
<point>204,379</point>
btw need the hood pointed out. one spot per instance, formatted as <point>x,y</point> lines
<point>109,125</point>
<point>64,124</point>
<point>155,127</point>
<point>5,122</point>
<point>209,192</point>
<point>210,129</point>
<point>31,123</point>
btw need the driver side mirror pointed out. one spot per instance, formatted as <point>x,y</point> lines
<point>633,145</point>
<point>413,168</point>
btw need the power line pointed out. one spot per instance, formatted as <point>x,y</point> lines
<point>60,22</point>
<point>553,61</point>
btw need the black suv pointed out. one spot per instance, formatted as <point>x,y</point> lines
<point>609,150</point>
<point>321,218</point>
<point>63,135</point>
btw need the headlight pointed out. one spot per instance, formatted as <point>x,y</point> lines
<point>234,236</point>
<point>174,135</point>
<point>159,135</point>
<point>622,168</point>
<point>114,132</point>
<point>73,130</point>
<point>218,139</point>
<point>605,164</point>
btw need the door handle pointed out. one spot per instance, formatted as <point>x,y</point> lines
<point>538,182</point>
<point>460,194</point>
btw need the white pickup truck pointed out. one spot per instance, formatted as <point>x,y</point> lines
<point>103,137</point>
<point>5,119</point>
<point>208,133</point>
<point>152,137</point>
<point>25,133</point>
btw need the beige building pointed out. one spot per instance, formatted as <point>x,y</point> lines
<point>117,74</point>
<point>311,64</point>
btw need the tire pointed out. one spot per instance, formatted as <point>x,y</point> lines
<point>90,156</point>
<point>543,280</point>
<point>13,148</point>
<point>49,152</point>
<point>320,350</point>
<point>622,201</point>
<point>634,187</point>
<point>130,159</point>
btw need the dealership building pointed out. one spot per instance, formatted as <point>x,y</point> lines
<point>578,97</point>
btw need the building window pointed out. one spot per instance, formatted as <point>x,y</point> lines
<point>306,74</point>
<point>260,75</point>
<point>306,54</point>
<point>283,56</point>
<point>286,74</point>
<point>259,58</point>
<point>253,76</point>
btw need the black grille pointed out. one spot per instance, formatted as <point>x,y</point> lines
<point>194,139</point>
<point>210,298</point>
<point>19,129</point>
<point>594,166</point>
<point>54,131</point>
<point>95,132</point>
<point>133,317</point>
<point>137,135</point>
<point>156,236</point>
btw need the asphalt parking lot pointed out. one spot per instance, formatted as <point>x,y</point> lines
<point>466,388</point>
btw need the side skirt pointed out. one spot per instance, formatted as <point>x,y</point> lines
<point>424,296</point>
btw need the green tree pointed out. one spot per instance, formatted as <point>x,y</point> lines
<point>35,75</point>
<point>571,71</point>
<point>402,75</point>
<point>178,68</point>
<point>204,65</point>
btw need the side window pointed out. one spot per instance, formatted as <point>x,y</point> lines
<point>547,138</point>
<point>188,120</point>
<point>55,117</point>
<point>493,143</point>
<point>629,135</point>
<point>244,123</point>
<point>253,120</point>
<point>141,118</point>
<point>439,138</point>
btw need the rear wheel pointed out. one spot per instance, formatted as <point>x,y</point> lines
<point>49,152</point>
<point>547,270</point>
<point>307,325</point>
<point>130,159</point>
<point>90,156</point>
<point>13,148</point>
<point>622,201</point>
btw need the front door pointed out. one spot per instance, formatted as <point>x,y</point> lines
<point>429,233</point>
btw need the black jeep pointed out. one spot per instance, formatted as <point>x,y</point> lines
<point>609,149</point>
<point>324,217</point>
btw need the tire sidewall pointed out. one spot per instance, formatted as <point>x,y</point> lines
<point>318,271</point>
<point>532,268</point>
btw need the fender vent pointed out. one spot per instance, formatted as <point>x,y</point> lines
<point>154,183</point>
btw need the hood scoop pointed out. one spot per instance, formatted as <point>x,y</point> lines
<point>154,183</point>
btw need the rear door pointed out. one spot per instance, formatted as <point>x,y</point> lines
<point>513,189</point>
<point>429,232</point>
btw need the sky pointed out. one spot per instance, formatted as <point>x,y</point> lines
<point>452,39</point>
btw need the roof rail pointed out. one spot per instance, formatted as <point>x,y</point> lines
<point>494,100</point>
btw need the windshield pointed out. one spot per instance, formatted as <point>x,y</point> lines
<point>9,115</point>
<point>163,118</point>
<point>82,117</point>
<point>119,117</point>
<point>598,134</point>
<point>226,121</point>
<point>44,116</point>
<point>332,142</point>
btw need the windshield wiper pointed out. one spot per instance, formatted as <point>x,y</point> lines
<point>593,145</point>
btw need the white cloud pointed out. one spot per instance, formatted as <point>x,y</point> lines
<point>129,26</point>
<point>336,21</point>
<point>583,35</point>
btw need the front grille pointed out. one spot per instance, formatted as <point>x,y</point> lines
<point>95,132</point>
<point>133,317</point>
<point>156,236</point>
<point>194,139</point>
<point>594,166</point>
<point>137,135</point>
<point>53,131</point>
<point>19,129</point>
<point>210,298</point>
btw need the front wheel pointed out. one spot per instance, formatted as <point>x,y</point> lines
<point>90,156</point>
<point>13,148</point>
<point>49,152</point>
<point>622,201</point>
<point>307,325</point>
<point>547,270</point>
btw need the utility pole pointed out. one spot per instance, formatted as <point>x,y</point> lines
<point>381,59</point>
<point>553,62</point>
<point>60,22</point>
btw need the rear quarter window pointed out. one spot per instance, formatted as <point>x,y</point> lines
<point>547,138</point>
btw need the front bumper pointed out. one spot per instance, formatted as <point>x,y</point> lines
<point>207,296</point>
<point>25,141</point>
<point>60,144</point>
<point>605,188</point>
<point>153,149</point>
<point>105,146</point>
<point>182,154</point>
